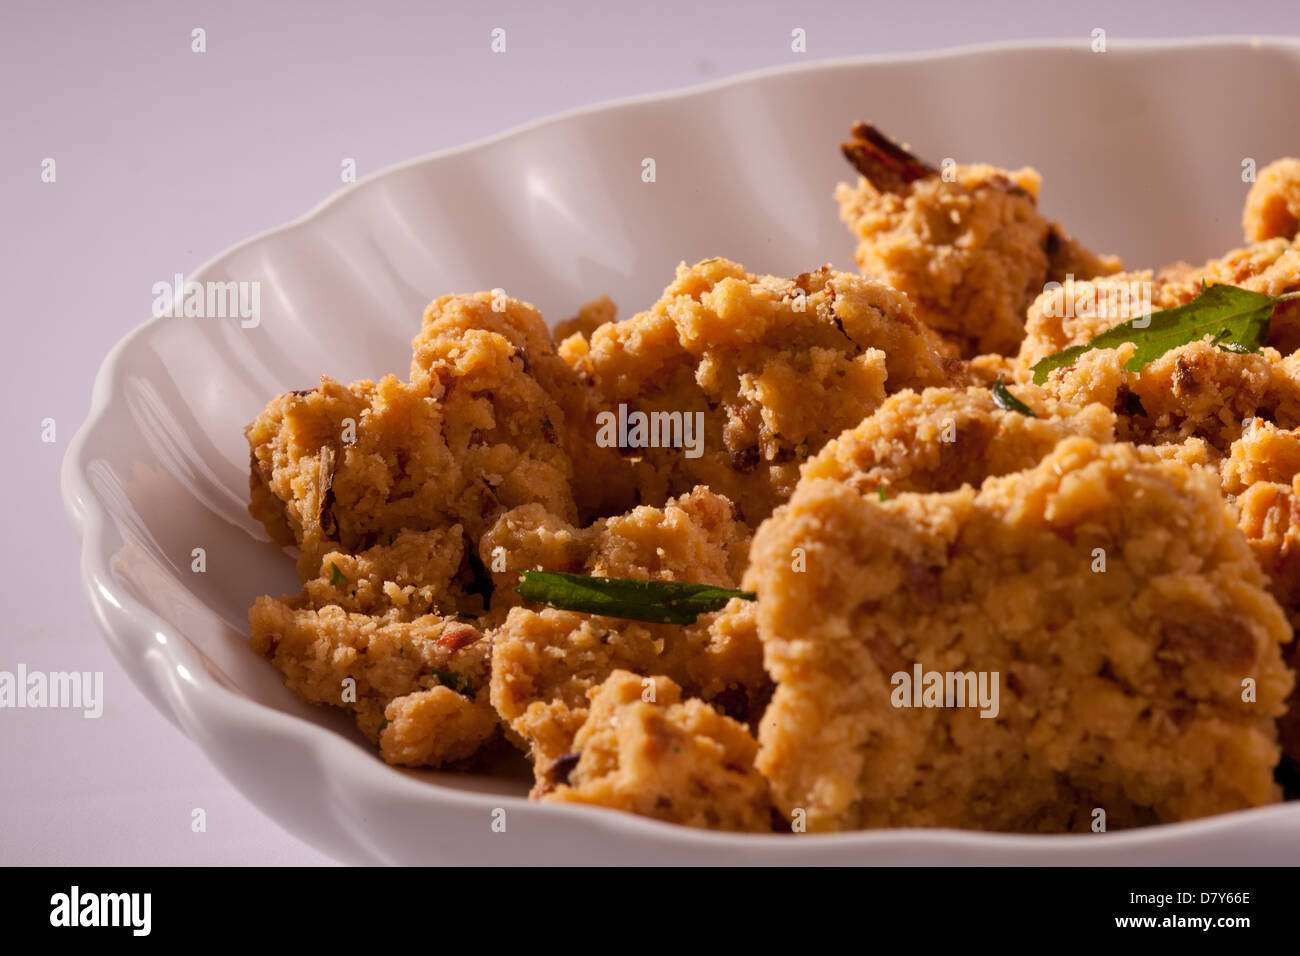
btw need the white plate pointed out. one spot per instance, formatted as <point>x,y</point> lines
<point>1141,149</point>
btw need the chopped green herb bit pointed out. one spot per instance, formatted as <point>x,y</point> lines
<point>1004,400</point>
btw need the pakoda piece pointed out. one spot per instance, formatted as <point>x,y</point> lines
<point>1089,634</point>
<point>590,317</point>
<point>545,660</point>
<point>474,434</point>
<point>763,371</point>
<point>943,438</point>
<point>1193,391</point>
<point>600,478</point>
<point>645,750</point>
<point>1264,453</point>
<point>1076,311</point>
<point>966,244</point>
<point>378,634</point>
<point>1273,203</point>
<point>1196,390</point>
<point>1263,475</point>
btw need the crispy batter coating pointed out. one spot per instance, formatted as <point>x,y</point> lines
<point>1197,401</point>
<point>1263,474</point>
<point>943,438</point>
<point>473,434</point>
<point>545,661</point>
<point>774,367</point>
<point>523,396</point>
<point>1073,312</point>
<point>1264,453</point>
<point>645,750</point>
<point>1194,391</point>
<point>1273,203</point>
<point>1119,689</point>
<point>590,317</point>
<point>386,619</point>
<point>968,246</point>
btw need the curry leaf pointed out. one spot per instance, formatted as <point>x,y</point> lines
<point>1236,319</point>
<point>1004,400</point>
<point>667,602</point>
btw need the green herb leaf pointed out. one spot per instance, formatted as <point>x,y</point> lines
<point>337,577</point>
<point>881,493</point>
<point>1004,400</point>
<point>1237,319</point>
<point>665,602</point>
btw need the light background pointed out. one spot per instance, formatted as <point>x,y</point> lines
<point>166,157</point>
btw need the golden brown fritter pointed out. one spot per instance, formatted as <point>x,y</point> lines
<point>645,750</point>
<point>1273,203</point>
<point>1074,312</point>
<point>1262,474</point>
<point>471,436</point>
<point>1264,453</point>
<point>528,381</point>
<point>1194,391</point>
<point>1119,689</point>
<point>773,367</point>
<point>1199,401</point>
<point>387,620</point>
<point>545,661</point>
<point>590,317</point>
<point>943,438</point>
<point>967,244</point>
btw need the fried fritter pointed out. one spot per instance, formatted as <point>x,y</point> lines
<point>645,750</point>
<point>943,438</point>
<point>386,621</point>
<point>967,245</point>
<point>545,661</point>
<point>1194,391</point>
<point>1273,203</point>
<point>600,479</point>
<point>1262,474</point>
<point>774,368</point>
<point>472,435</point>
<point>1073,312</point>
<point>1122,685</point>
